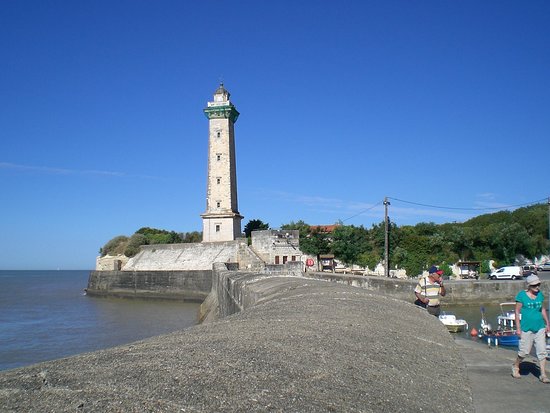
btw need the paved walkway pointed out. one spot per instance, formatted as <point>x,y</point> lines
<point>493,387</point>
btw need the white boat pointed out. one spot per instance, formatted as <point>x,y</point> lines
<point>505,332</point>
<point>453,324</point>
<point>507,318</point>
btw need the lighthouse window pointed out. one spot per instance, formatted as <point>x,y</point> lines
<point>218,134</point>
<point>218,204</point>
<point>217,228</point>
<point>218,180</point>
<point>218,157</point>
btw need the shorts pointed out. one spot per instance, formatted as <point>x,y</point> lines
<point>526,343</point>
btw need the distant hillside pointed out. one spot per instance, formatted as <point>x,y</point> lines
<point>504,236</point>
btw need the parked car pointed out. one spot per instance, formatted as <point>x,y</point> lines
<point>507,273</point>
<point>528,269</point>
<point>544,267</point>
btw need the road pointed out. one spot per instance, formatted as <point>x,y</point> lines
<point>544,275</point>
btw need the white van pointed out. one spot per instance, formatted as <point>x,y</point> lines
<point>507,273</point>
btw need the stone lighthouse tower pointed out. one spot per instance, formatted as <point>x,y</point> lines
<point>221,221</point>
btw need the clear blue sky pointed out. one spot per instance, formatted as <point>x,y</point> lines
<point>443,103</point>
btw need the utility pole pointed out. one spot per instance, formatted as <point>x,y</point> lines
<point>549,218</point>
<point>386,239</point>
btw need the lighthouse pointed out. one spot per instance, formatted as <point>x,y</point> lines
<point>221,221</point>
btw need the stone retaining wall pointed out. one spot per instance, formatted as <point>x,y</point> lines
<point>191,286</point>
<point>458,292</point>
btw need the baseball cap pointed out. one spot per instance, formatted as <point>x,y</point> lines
<point>434,270</point>
<point>532,279</point>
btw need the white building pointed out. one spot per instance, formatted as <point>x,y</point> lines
<point>277,246</point>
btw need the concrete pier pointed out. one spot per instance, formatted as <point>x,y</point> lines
<point>493,387</point>
<point>303,345</point>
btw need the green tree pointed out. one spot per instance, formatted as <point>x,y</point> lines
<point>447,271</point>
<point>160,236</point>
<point>485,267</point>
<point>369,259</point>
<point>191,237</point>
<point>254,225</point>
<point>298,225</point>
<point>316,242</point>
<point>413,252</point>
<point>348,242</point>
<point>313,240</point>
<point>510,240</point>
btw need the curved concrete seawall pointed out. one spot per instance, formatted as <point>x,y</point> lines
<point>230,292</point>
<point>296,344</point>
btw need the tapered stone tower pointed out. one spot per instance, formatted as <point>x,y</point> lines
<point>221,221</point>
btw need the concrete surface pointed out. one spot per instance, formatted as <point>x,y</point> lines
<point>304,346</point>
<point>493,387</point>
<point>309,346</point>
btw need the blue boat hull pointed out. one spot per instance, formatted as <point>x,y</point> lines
<point>510,340</point>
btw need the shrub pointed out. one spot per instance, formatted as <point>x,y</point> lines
<point>115,246</point>
<point>134,244</point>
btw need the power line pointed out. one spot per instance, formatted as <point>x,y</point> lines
<point>469,209</point>
<point>363,211</point>
<point>448,207</point>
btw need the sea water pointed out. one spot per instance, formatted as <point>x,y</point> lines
<point>472,314</point>
<point>46,315</point>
